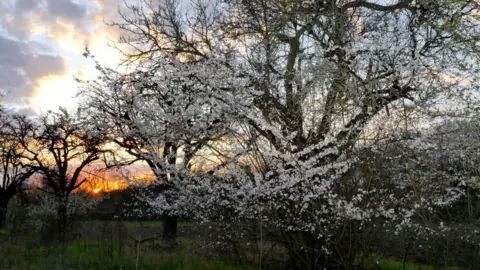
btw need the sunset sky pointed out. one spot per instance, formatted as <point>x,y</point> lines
<point>41,46</point>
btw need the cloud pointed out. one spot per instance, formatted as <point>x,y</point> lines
<point>25,5</point>
<point>22,67</point>
<point>41,46</point>
<point>24,18</point>
<point>23,111</point>
<point>10,78</point>
<point>38,66</point>
<point>66,9</point>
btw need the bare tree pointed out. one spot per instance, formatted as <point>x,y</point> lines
<point>59,147</point>
<point>14,171</point>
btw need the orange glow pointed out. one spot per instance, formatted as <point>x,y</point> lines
<point>105,181</point>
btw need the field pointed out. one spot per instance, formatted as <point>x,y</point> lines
<point>99,248</point>
<point>136,245</point>
<point>93,255</point>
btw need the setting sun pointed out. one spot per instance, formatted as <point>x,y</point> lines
<point>54,91</point>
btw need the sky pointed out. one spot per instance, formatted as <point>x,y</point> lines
<point>41,47</point>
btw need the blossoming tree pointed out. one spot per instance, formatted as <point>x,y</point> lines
<point>308,79</point>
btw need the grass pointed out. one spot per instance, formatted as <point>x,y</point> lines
<point>98,255</point>
<point>391,264</point>
<point>90,254</point>
<point>25,252</point>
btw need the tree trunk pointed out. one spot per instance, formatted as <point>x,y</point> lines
<point>3,211</point>
<point>304,252</point>
<point>62,216</point>
<point>170,231</point>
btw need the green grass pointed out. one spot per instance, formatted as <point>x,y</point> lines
<point>391,264</point>
<point>90,254</point>
<point>98,255</point>
<point>25,252</point>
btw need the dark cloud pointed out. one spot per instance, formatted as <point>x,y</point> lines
<point>26,112</point>
<point>9,78</point>
<point>66,9</point>
<point>21,67</point>
<point>26,5</point>
<point>42,65</point>
<point>30,31</point>
<point>9,49</point>
<point>19,17</point>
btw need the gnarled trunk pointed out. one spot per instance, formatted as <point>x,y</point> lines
<point>62,216</point>
<point>3,211</point>
<point>304,252</point>
<point>170,225</point>
<point>170,222</point>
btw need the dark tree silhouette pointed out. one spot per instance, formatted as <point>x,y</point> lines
<point>59,147</point>
<point>13,171</point>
